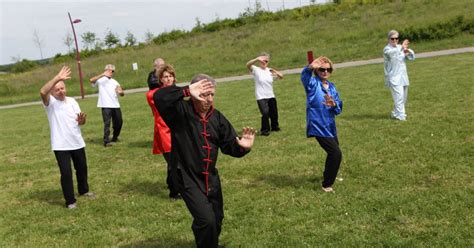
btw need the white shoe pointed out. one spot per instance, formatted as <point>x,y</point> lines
<point>328,190</point>
<point>89,195</point>
<point>72,206</point>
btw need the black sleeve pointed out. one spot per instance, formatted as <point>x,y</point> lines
<point>227,135</point>
<point>152,80</point>
<point>168,100</point>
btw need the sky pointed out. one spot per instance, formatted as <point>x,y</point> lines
<point>20,19</point>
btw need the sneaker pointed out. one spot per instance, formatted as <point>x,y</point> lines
<point>328,189</point>
<point>72,206</point>
<point>109,144</point>
<point>89,195</point>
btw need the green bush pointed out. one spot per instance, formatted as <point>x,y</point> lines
<point>23,66</point>
<point>439,30</point>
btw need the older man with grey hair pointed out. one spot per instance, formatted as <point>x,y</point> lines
<point>396,77</point>
<point>109,90</point>
<point>198,131</point>
<point>153,81</point>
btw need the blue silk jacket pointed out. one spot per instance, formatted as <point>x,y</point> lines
<point>320,119</point>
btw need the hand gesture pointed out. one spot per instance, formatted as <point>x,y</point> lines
<point>199,88</point>
<point>329,101</point>
<point>63,74</point>
<point>317,63</point>
<point>262,59</point>
<point>81,118</point>
<point>405,44</point>
<point>108,73</point>
<point>248,136</point>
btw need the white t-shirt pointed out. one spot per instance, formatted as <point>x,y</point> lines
<point>263,82</point>
<point>65,131</point>
<point>108,97</point>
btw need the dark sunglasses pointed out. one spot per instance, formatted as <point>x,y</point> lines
<point>394,38</point>
<point>321,69</point>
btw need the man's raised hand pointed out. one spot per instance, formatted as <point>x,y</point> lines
<point>199,88</point>
<point>248,136</point>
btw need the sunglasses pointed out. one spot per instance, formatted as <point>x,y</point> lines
<point>321,69</point>
<point>394,38</point>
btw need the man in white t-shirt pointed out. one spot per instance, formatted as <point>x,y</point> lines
<point>65,117</point>
<point>109,90</point>
<point>266,100</point>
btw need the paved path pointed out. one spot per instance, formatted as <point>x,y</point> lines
<point>285,72</point>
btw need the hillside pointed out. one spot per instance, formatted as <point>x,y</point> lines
<point>344,32</point>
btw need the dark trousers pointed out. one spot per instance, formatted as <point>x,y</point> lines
<point>169,181</point>
<point>80,165</point>
<point>208,214</point>
<point>333,159</point>
<point>116,115</point>
<point>269,110</point>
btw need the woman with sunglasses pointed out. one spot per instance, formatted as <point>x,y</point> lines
<point>395,69</point>
<point>322,106</point>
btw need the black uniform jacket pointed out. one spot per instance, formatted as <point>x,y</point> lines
<point>194,140</point>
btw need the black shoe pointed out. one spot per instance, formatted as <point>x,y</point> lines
<point>109,144</point>
<point>276,129</point>
<point>115,140</point>
<point>265,133</point>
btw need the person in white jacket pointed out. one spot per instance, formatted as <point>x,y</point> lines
<point>396,77</point>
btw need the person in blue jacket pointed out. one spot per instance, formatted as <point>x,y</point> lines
<point>322,106</point>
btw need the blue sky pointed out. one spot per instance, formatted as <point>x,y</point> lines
<point>19,19</point>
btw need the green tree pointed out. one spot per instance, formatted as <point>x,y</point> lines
<point>149,36</point>
<point>111,39</point>
<point>89,39</point>
<point>130,39</point>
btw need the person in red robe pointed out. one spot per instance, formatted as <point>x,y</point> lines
<point>162,134</point>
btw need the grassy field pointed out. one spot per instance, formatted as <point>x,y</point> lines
<point>346,33</point>
<point>405,184</point>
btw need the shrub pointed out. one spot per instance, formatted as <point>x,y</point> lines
<point>439,30</point>
<point>23,66</point>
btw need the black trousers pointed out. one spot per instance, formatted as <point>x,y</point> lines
<point>333,159</point>
<point>116,115</point>
<point>169,181</point>
<point>269,110</point>
<point>207,212</point>
<point>80,165</point>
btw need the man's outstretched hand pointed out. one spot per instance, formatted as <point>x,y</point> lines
<point>248,136</point>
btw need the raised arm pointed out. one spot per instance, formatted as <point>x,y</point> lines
<point>64,73</point>
<point>276,73</point>
<point>106,73</point>
<point>255,60</point>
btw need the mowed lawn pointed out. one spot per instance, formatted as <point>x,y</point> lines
<point>401,183</point>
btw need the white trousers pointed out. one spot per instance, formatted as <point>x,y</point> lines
<point>399,95</point>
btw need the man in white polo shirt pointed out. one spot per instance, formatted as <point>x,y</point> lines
<point>109,90</point>
<point>65,117</point>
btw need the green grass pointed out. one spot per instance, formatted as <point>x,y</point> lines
<point>352,32</point>
<point>405,183</point>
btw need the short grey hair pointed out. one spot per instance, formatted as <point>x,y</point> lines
<point>392,32</point>
<point>200,77</point>
<point>159,62</point>
<point>264,54</point>
<point>110,67</point>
